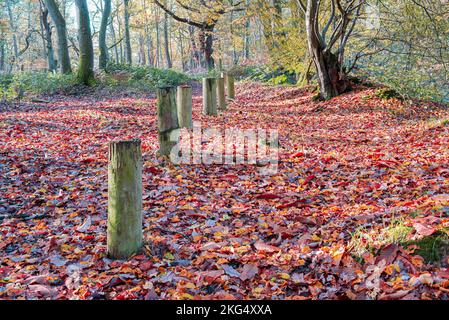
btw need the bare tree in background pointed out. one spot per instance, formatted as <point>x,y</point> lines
<point>327,44</point>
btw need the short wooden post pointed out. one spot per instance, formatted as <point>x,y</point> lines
<point>230,86</point>
<point>209,96</point>
<point>184,101</point>
<point>124,230</point>
<point>221,94</point>
<point>167,116</point>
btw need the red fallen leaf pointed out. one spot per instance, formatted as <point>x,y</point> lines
<point>268,196</point>
<point>87,160</point>
<point>229,177</point>
<point>115,281</point>
<point>394,296</point>
<point>197,215</point>
<point>211,246</point>
<point>443,274</point>
<point>89,238</point>
<point>210,276</point>
<point>43,291</point>
<point>50,245</point>
<point>42,279</point>
<point>151,295</point>
<point>298,155</point>
<point>424,230</point>
<point>125,296</point>
<point>309,178</point>
<point>291,204</point>
<point>249,271</point>
<point>327,160</point>
<point>261,246</point>
<point>307,221</point>
<point>152,170</point>
<point>145,266</point>
<point>388,253</point>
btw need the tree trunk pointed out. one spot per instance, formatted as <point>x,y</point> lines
<point>47,39</point>
<point>331,79</point>
<point>167,43</point>
<point>158,40</point>
<point>246,40</point>
<point>114,40</point>
<point>209,48</point>
<point>150,55</point>
<point>14,36</point>
<point>194,49</point>
<point>142,53</point>
<point>103,59</point>
<point>124,231</point>
<point>119,27</point>
<point>86,57</point>
<point>61,32</point>
<point>2,52</point>
<point>181,50</point>
<point>127,36</point>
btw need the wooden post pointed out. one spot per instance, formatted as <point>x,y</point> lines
<point>124,231</point>
<point>230,86</point>
<point>209,97</point>
<point>221,94</point>
<point>184,101</point>
<point>167,116</point>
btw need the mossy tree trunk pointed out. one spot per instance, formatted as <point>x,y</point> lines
<point>124,233</point>
<point>103,58</point>
<point>127,36</point>
<point>167,115</point>
<point>209,96</point>
<point>47,36</point>
<point>86,55</point>
<point>184,101</point>
<point>61,31</point>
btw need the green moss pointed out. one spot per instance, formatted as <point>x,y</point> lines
<point>432,248</point>
<point>388,93</point>
<point>317,97</point>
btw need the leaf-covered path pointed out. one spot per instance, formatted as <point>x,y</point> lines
<point>226,231</point>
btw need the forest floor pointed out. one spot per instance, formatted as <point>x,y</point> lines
<point>356,175</point>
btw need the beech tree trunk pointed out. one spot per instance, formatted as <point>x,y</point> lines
<point>167,43</point>
<point>48,39</point>
<point>127,36</point>
<point>61,32</point>
<point>103,58</point>
<point>124,231</point>
<point>86,55</point>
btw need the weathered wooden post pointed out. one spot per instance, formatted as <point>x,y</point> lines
<point>124,230</point>
<point>209,96</point>
<point>230,86</point>
<point>167,116</point>
<point>221,94</point>
<point>184,101</point>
